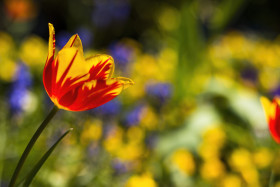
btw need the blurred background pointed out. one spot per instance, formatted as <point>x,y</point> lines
<point>193,117</point>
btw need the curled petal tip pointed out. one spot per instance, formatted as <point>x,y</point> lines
<point>51,28</point>
<point>126,82</point>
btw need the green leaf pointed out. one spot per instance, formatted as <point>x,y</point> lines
<point>40,163</point>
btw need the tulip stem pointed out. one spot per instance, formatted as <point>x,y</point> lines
<point>271,179</point>
<point>273,168</point>
<point>31,144</point>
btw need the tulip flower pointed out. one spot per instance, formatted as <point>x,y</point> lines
<point>73,83</point>
<point>76,84</point>
<point>272,112</point>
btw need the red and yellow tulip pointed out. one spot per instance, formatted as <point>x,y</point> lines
<point>272,112</point>
<point>77,84</point>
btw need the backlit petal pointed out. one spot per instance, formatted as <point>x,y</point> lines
<point>269,111</point>
<point>272,111</point>
<point>70,64</point>
<point>101,67</point>
<point>93,94</point>
<point>48,69</point>
<point>126,82</point>
<point>76,42</point>
<point>51,43</point>
<point>274,121</point>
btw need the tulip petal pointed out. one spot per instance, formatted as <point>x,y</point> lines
<point>51,43</point>
<point>272,112</point>
<point>75,41</point>
<point>274,121</point>
<point>67,71</point>
<point>102,67</point>
<point>93,94</point>
<point>269,111</point>
<point>48,71</point>
<point>70,64</point>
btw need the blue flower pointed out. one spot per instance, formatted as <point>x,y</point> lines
<point>62,38</point>
<point>121,52</point>
<point>159,91</point>
<point>119,166</point>
<point>19,91</point>
<point>17,99</point>
<point>111,108</point>
<point>275,92</point>
<point>250,74</point>
<point>22,77</point>
<point>86,36</point>
<point>133,117</point>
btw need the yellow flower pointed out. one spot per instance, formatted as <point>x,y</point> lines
<point>92,131</point>
<point>241,159</point>
<point>208,152</point>
<point>114,141</point>
<point>214,136</point>
<point>251,176</point>
<point>269,78</point>
<point>7,45</point>
<point>212,169</point>
<point>149,120</point>
<point>130,152</point>
<point>135,134</point>
<point>184,161</point>
<point>263,157</point>
<point>144,180</point>
<point>231,181</point>
<point>277,184</point>
<point>237,44</point>
<point>34,56</point>
<point>8,69</point>
<point>169,18</point>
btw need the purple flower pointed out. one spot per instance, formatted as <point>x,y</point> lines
<point>86,36</point>
<point>22,77</point>
<point>250,74</point>
<point>119,166</point>
<point>121,52</point>
<point>62,38</point>
<point>134,116</point>
<point>159,91</point>
<point>19,91</point>
<point>111,108</point>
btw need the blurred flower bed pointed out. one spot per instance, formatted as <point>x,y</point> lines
<point>193,117</point>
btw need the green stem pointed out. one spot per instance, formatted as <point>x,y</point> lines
<point>31,144</point>
<point>273,168</point>
<point>271,179</point>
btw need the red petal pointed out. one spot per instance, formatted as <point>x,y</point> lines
<point>274,122</point>
<point>102,67</point>
<point>91,95</point>
<point>48,70</point>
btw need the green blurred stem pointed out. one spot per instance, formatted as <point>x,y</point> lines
<point>273,168</point>
<point>31,144</point>
<point>272,176</point>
